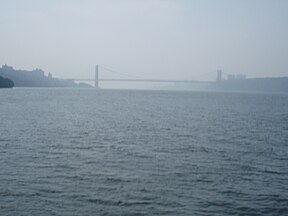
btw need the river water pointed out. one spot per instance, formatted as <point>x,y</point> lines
<point>107,152</point>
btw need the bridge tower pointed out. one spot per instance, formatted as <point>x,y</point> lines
<point>96,77</point>
<point>219,76</point>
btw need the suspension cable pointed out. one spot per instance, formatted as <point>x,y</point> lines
<point>116,72</point>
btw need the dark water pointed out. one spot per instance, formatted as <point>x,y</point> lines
<point>87,152</point>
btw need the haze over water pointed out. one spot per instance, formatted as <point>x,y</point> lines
<point>153,39</point>
<point>83,152</point>
<point>88,152</point>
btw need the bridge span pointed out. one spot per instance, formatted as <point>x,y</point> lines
<point>96,79</point>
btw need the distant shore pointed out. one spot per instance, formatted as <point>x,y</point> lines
<point>6,83</point>
<point>35,78</point>
<point>277,84</point>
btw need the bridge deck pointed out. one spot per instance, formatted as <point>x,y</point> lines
<point>142,80</point>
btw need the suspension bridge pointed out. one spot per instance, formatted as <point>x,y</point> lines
<point>131,78</point>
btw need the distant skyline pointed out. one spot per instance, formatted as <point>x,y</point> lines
<point>172,39</point>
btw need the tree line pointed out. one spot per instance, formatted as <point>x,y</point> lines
<point>6,83</point>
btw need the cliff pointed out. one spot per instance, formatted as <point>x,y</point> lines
<point>35,78</point>
<point>6,83</point>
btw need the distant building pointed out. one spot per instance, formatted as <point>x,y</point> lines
<point>230,77</point>
<point>240,76</point>
<point>236,77</point>
<point>38,72</point>
<point>49,75</point>
<point>7,68</point>
<point>219,76</point>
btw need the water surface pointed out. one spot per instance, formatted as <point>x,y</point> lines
<point>89,152</point>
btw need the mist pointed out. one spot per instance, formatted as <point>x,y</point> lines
<point>143,107</point>
<point>158,39</point>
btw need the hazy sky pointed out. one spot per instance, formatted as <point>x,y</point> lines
<point>172,39</point>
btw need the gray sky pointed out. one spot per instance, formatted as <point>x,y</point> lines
<point>172,39</point>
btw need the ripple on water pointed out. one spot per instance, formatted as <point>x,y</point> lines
<point>72,152</point>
